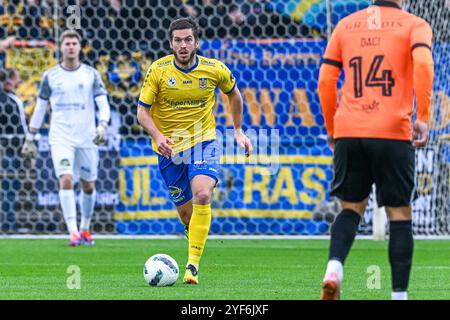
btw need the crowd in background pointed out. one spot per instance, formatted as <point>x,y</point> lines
<point>131,25</point>
<point>121,38</point>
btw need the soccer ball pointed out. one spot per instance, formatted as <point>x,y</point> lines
<point>161,270</point>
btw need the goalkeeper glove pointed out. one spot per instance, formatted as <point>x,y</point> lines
<point>29,149</point>
<point>100,134</point>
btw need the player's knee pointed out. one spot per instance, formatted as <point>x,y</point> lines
<point>358,207</point>
<point>66,181</point>
<point>399,213</point>
<point>88,188</point>
<point>202,197</point>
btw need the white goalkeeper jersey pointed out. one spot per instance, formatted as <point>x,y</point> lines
<point>72,96</point>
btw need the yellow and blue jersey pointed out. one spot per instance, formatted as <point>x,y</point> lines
<point>181,101</point>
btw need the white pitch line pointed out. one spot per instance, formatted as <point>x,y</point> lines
<point>217,237</point>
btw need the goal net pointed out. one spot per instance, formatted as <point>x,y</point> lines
<point>274,49</point>
<point>431,205</point>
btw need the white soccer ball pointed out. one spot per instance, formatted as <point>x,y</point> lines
<point>161,270</point>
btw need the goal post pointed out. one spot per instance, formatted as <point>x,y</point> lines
<point>379,219</point>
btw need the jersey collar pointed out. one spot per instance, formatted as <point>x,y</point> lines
<point>186,70</point>
<point>70,70</point>
<point>383,3</point>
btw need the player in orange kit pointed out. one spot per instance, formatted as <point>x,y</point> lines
<point>386,56</point>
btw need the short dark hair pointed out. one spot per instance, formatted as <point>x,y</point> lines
<point>184,23</point>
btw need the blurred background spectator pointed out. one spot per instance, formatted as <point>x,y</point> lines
<point>12,131</point>
<point>121,38</point>
<point>243,19</point>
<point>6,43</point>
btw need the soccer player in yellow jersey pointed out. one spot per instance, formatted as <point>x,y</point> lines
<point>176,110</point>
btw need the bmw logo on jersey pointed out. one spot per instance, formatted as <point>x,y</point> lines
<point>171,82</point>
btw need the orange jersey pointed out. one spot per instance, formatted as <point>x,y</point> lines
<point>374,47</point>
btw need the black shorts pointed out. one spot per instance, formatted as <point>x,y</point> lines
<point>360,162</point>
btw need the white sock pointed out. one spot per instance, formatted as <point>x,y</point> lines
<point>335,266</point>
<point>87,209</point>
<point>69,209</point>
<point>400,295</point>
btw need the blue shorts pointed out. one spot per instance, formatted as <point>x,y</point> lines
<point>177,172</point>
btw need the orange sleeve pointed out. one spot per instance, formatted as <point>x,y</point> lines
<point>421,35</point>
<point>423,74</point>
<point>333,53</point>
<point>423,67</point>
<point>328,79</point>
<point>328,94</point>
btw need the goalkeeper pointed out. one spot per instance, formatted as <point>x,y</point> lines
<point>73,89</point>
<point>386,56</point>
<point>176,109</point>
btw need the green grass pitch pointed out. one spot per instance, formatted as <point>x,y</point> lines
<point>230,269</point>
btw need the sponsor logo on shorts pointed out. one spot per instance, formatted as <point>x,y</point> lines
<point>200,164</point>
<point>85,169</point>
<point>65,163</point>
<point>176,193</point>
